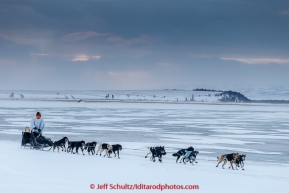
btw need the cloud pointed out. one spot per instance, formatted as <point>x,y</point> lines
<point>39,54</point>
<point>96,57</point>
<point>83,58</point>
<point>23,37</point>
<point>259,60</point>
<point>142,39</point>
<point>72,37</point>
<point>80,58</point>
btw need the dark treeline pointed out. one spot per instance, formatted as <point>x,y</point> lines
<point>203,89</point>
<point>231,96</point>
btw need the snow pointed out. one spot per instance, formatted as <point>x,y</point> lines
<point>25,170</point>
<point>259,131</point>
<point>268,92</point>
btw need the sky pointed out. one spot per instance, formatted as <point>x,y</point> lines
<point>143,44</point>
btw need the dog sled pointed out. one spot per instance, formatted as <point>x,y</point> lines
<point>38,142</point>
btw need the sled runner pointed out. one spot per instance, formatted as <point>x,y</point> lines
<point>38,142</point>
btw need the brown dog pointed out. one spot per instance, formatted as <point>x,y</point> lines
<point>227,157</point>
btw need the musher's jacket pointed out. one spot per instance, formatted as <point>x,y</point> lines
<point>36,124</point>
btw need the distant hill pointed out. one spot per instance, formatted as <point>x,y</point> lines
<point>231,96</point>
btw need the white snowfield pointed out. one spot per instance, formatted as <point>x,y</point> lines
<point>24,170</point>
<point>259,131</point>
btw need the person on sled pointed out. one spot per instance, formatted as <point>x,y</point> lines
<point>37,124</point>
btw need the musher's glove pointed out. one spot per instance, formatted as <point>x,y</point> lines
<point>40,131</point>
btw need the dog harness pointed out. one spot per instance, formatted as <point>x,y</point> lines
<point>181,152</point>
<point>188,154</point>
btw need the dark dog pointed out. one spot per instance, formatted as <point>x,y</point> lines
<point>60,144</point>
<point>104,146</point>
<point>190,156</point>
<point>26,139</point>
<point>77,145</point>
<point>115,148</point>
<point>156,152</point>
<point>90,147</point>
<point>240,161</point>
<point>180,153</point>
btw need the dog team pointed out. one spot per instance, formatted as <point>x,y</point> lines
<point>90,147</point>
<point>186,155</point>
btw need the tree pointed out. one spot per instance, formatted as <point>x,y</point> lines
<point>231,96</point>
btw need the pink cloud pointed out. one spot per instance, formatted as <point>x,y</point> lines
<point>259,60</point>
<point>28,38</point>
<point>83,58</point>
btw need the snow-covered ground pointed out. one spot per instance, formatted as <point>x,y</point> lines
<point>259,131</point>
<point>266,93</point>
<point>24,170</point>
